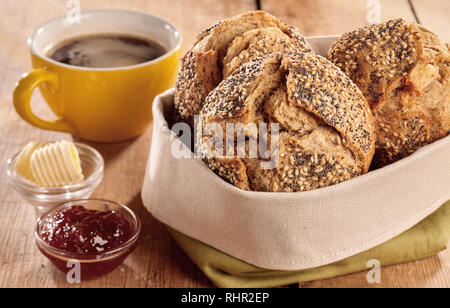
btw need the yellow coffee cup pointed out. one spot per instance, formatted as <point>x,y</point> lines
<point>98,104</point>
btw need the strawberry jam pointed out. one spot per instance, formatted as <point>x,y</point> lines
<point>82,231</point>
<point>86,235</point>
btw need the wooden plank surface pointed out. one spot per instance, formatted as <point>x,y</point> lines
<point>435,15</point>
<point>158,262</point>
<point>428,273</point>
<point>324,17</point>
<point>333,17</point>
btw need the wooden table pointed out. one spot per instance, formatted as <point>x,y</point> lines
<point>158,261</point>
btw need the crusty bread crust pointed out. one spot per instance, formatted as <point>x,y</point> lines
<point>403,70</point>
<point>219,36</point>
<point>327,134</point>
<point>201,68</point>
<point>199,75</point>
<point>255,43</point>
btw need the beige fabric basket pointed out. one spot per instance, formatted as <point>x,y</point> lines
<point>291,231</point>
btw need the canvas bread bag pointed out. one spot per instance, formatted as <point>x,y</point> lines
<point>290,231</point>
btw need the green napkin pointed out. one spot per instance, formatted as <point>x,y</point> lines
<point>425,239</point>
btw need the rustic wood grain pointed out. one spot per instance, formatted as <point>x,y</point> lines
<point>435,15</point>
<point>332,17</point>
<point>323,17</point>
<point>428,273</point>
<point>158,262</point>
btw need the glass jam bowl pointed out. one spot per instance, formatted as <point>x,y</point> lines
<point>44,198</point>
<point>91,264</point>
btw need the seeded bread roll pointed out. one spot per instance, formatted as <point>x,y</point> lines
<point>404,72</point>
<point>326,129</point>
<point>222,48</point>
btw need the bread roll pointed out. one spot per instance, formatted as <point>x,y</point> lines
<point>326,129</point>
<point>404,72</point>
<point>222,48</point>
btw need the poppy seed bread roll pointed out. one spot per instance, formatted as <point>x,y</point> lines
<point>222,48</point>
<point>404,72</point>
<point>326,129</point>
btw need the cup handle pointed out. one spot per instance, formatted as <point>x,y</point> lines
<point>22,96</point>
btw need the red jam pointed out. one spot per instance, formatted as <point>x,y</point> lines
<point>82,231</point>
<point>87,234</point>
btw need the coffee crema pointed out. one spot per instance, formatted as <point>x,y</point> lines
<point>106,50</point>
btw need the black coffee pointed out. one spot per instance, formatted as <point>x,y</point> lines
<point>106,50</point>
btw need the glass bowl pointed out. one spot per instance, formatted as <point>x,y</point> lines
<point>91,264</point>
<point>44,198</point>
